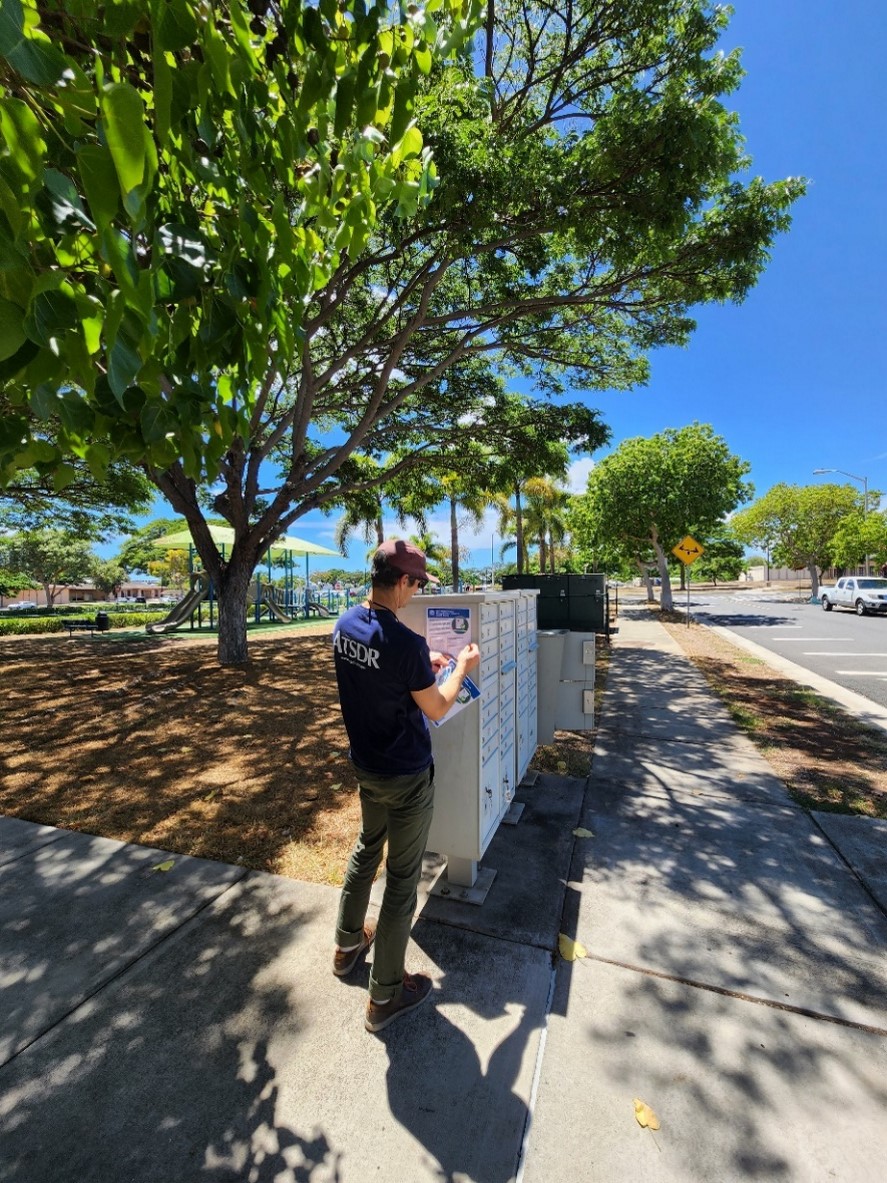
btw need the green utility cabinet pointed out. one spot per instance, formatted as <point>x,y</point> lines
<point>577,603</point>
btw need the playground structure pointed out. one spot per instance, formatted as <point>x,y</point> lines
<point>183,612</point>
<point>285,602</point>
<point>266,601</point>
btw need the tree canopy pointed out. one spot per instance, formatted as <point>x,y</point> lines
<point>52,558</point>
<point>220,251</point>
<point>650,492</point>
<point>800,524</point>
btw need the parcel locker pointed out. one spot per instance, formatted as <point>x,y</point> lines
<point>483,746</point>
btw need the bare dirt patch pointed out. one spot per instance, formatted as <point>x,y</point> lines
<point>826,757</point>
<point>148,740</point>
<point>151,741</point>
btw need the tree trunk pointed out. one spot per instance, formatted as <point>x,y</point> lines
<point>814,579</point>
<point>519,530</point>
<point>644,573</point>
<point>454,543</point>
<point>666,599</point>
<point>232,588</point>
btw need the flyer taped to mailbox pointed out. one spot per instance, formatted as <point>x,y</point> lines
<point>467,693</point>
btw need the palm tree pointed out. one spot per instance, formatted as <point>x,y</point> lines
<point>519,519</point>
<point>435,552</point>
<point>364,508</point>
<point>546,521</point>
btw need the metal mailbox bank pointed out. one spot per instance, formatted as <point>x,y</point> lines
<point>484,745</point>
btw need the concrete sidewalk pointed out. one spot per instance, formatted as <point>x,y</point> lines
<point>183,1024</point>
<point>735,981</point>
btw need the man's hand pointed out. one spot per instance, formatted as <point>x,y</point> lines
<point>439,661</point>
<point>437,700</point>
<point>468,658</point>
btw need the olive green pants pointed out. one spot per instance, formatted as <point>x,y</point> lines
<point>399,809</point>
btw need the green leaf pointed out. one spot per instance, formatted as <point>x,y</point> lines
<point>345,90</point>
<point>124,364</point>
<point>99,178</point>
<point>12,332</point>
<point>49,316</point>
<point>21,137</point>
<point>45,401</point>
<point>125,131</point>
<point>312,26</point>
<point>35,57</point>
<point>157,421</point>
<point>98,457</point>
<point>17,362</point>
<point>189,245</point>
<point>403,110</point>
<point>66,207</point>
<point>177,28</point>
<point>63,476</point>
<point>409,145</point>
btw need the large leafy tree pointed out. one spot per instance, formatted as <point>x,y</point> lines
<point>861,538</point>
<point>51,558</point>
<point>589,196</point>
<point>799,525</point>
<point>723,558</point>
<point>179,181</point>
<point>648,493</point>
<point>88,506</point>
<point>138,551</point>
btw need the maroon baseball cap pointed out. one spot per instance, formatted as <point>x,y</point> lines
<point>407,559</point>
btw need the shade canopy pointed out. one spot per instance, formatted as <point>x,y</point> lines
<point>224,536</point>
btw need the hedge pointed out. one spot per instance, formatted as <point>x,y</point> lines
<point>30,625</point>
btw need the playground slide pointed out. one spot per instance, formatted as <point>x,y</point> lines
<point>276,611</point>
<point>181,611</point>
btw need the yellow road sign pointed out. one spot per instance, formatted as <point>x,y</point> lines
<point>688,550</point>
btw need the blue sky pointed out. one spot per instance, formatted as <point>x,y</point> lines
<point>793,378</point>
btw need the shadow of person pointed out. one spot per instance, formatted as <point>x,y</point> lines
<point>467,1116</point>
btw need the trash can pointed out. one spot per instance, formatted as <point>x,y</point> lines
<point>102,622</point>
<point>549,658</point>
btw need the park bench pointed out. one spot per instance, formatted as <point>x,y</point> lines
<point>100,624</point>
<point>80,626</point>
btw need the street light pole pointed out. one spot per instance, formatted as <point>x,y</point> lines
<point>864,480</point>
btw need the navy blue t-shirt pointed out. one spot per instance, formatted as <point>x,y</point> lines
<point>379,661</point>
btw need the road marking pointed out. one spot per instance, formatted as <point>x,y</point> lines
<point>840,653</point>
<point>807,640</point>
<point>863,673</point>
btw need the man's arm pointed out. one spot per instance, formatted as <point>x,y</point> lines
<point>437,700</point>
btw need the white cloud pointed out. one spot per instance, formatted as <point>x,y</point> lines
<point>577,475</point>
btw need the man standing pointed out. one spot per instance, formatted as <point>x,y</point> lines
<point>386,678</point>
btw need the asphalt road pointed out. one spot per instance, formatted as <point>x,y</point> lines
<point>847,649</point>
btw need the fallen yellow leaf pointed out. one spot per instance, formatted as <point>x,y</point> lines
<point>645,1115</point>
<point>582,833</point>
<point>569,949</point>
<point>167,866</point>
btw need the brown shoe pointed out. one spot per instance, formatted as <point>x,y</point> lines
<point>416,988</point>
<point>344,963</point>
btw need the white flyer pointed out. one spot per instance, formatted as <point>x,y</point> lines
<point>448,630</point>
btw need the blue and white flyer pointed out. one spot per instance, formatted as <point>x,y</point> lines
<point>467,692</point>
<point>448,629</point>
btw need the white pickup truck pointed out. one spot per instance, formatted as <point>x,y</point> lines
<point>862,593</point>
